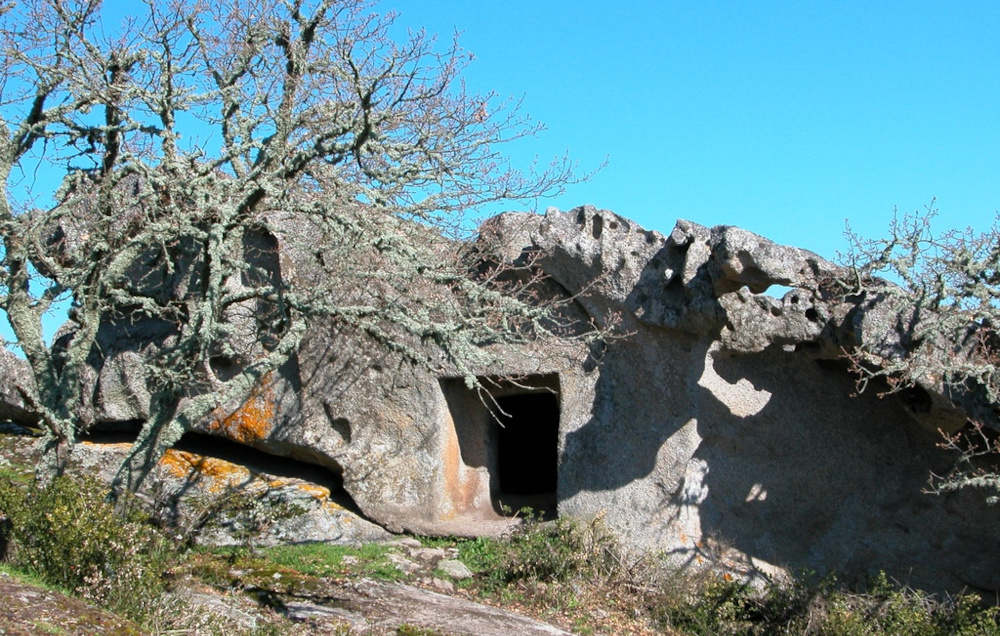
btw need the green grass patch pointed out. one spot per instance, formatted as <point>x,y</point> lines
<point>329,560</point>
<point>47,628</point>
<point>481,555</point>
<point>412,630</point>
<point>17,474</point>
<point>225,566</point>
<point>439,542</point>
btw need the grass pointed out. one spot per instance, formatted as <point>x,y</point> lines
<point>412,630</point>
<point>30,578</point>
<point>324,559</point>
<point>12,467</point>
<point>16,474</point>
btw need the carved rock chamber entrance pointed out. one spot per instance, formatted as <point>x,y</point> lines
<point>500,447</point>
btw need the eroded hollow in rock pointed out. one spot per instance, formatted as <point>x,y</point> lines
<point>257,462</point>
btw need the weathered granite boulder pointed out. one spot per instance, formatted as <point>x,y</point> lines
<point>727,427</point>
<point>724,428</point>
<point>16,381</point>
<point>231,500</point>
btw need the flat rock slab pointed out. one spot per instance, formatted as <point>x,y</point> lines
<point>383,607</point>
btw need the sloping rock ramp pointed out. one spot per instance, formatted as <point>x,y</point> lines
<point>382,607</point>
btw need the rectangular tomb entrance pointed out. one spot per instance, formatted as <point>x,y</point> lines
<point>500,447</point>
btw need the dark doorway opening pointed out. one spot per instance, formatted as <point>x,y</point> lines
<point>501,453</point>
<point>528,444</point>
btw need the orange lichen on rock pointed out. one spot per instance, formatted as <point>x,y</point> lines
<point>185,465</point>
<point>253,420</point>
<point>319,492</point>
<point>332,506</point>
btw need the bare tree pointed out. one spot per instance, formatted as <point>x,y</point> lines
<point>194,127</point>
<point>942,328</point>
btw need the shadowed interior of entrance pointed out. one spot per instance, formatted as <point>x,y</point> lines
<point>527,443</point>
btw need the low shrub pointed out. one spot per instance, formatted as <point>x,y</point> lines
<point>67,534</point>
<point>547,552</point>
<point>728,607</point>
<point>888,608</point>
<point>578,570</point>
<point>709,605</point>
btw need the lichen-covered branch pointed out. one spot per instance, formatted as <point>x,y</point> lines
<point>947,316</point>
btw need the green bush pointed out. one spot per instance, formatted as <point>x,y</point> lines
<point>725,606</point>
<point>69,536</point>
<point>552,551</point>
<point>728,607</point>
<point>890,609</point>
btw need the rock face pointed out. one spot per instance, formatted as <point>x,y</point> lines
<point>723,429</point>
<point>727,427</point>
<point>15,382</point>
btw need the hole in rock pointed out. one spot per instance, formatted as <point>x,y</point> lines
<point>528,450</point>
<point>598,227</point>
<point>528,443</point>
<point>779,292</point>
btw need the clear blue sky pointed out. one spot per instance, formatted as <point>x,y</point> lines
<point>785,118</point>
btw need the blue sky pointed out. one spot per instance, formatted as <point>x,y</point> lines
<point>785,118</point>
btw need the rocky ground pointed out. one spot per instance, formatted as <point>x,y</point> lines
<point>235,568</point>
<point>372,583</point>
<point>29,610</point>
<point>361,606</point>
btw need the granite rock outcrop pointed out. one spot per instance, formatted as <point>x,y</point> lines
<point>723,426</point>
